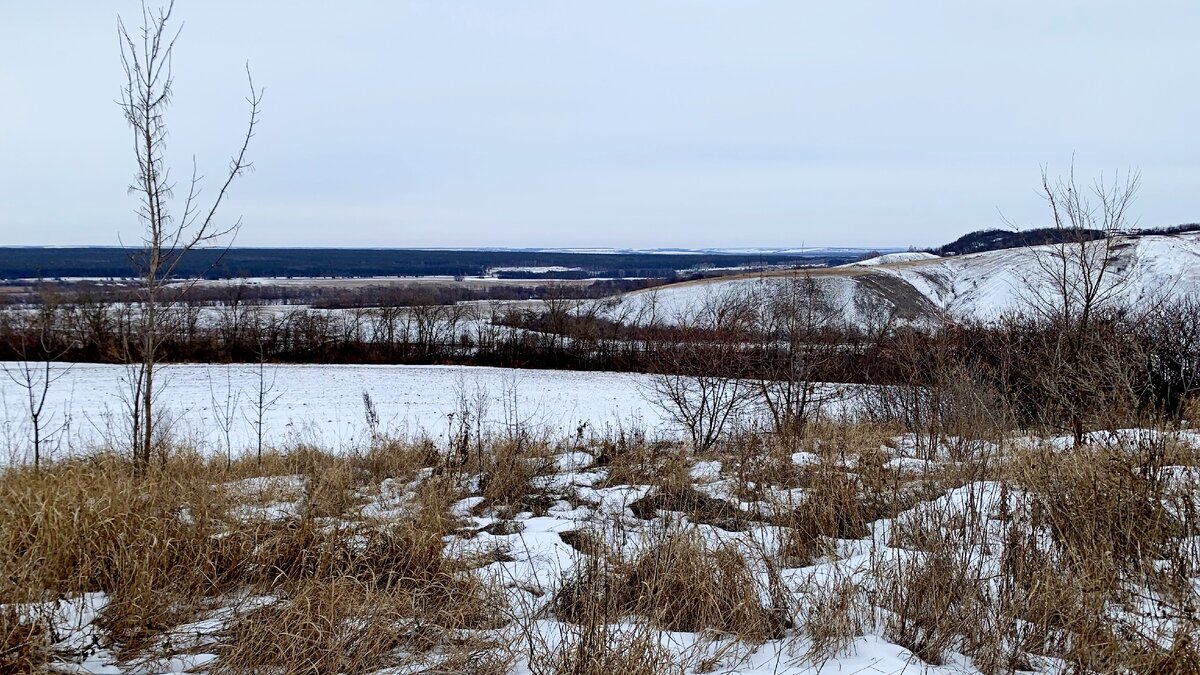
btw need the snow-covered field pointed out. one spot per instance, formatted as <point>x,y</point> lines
<point>324,404</point>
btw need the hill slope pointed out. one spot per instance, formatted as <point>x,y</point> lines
<point>980,286</point>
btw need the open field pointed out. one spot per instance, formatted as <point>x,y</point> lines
<point>323,405</point>
<point>564,338</point>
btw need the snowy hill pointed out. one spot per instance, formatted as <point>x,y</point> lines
<point>909,256</point>
<point>984,286</point>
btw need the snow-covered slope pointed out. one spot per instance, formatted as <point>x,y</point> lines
<point>981,286</point>
<point>987,285</point>
<point>907,256</point>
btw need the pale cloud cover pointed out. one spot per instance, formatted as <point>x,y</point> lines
<point>615,123</point>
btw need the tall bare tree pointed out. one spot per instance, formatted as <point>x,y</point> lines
<point>1077,276</point>
<point>1076,286</point>
<point>170,229</point>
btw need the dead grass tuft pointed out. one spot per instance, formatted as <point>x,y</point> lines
<point>644,463</point>
<point>836,614</point>
<point>699,507</point>
<point>24,642</point>
<point>682,584</point>
<point>603,649</point>
<point>339,625</point>
<point>507,470</point>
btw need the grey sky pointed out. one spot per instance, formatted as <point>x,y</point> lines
<point>610,123</point>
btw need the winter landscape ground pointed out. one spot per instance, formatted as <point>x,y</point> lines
<point>363,418</point>
<point>713,514</point>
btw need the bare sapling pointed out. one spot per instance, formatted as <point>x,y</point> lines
<point>35,371</point>
<point>1078,275</point>
<point>1076,286</point>
<point>168,234</point>
<point>796,321</point>
<point>224,410</point>
<point>264,399</point>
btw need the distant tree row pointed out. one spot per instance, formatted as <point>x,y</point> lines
<point>997,239</point>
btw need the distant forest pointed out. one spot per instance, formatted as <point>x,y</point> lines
<point>106,262</point>
<point>996,239</point>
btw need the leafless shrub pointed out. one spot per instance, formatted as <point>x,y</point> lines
<point>798,326</point>
<point>699,376</point>
<point>1077,287</point>
<point>941,397</point>
<point>35,371</point>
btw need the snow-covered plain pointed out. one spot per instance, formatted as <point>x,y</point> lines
<point>324,404</point>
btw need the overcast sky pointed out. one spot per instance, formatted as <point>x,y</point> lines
<point>618,123</point>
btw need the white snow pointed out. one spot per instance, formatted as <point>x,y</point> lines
<point>323,404</point>
<point>889,258</point>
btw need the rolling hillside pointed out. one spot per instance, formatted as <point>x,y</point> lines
<point>924,287</point>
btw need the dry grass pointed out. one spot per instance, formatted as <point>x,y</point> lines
<point>831,509</point>
<point>680,583</point>
<point>602,649</point>
<point>836,613</point>
<point>929,596</point>
<point>1063,565</point>
<point>1118,537</point>
<point>346,625</point>
<point>638,462</point>
<point>24,642</point>
<point>169,546</point>
<point>507,470</point>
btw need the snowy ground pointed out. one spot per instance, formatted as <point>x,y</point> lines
<point>537,559</point>
<point>323,404</point>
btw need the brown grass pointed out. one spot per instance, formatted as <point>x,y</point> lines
<point>1086,538</point>
<point>507,471</point>
<point>24,642</point>
<point>602,649</point>
<point>346,625</point>
<point>637,462</point>
<point>836,614</point>
<point>681,583</point>
<point>169,546</point>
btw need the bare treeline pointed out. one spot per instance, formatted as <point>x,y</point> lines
<point>778,344</point>
<point>32,293</point>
